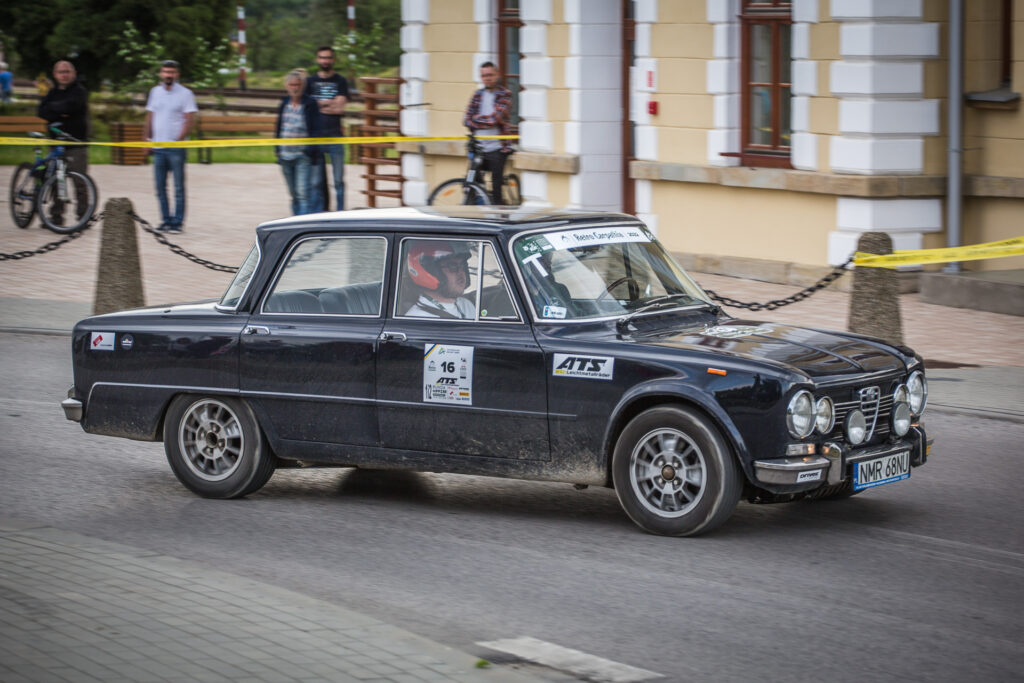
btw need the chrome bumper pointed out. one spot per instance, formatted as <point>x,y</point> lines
<point>829,467</point>
<point>72,409</point>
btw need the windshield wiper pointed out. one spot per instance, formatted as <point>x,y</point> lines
<point>663,301</point>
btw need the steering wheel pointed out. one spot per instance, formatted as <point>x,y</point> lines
<point>621,281</point>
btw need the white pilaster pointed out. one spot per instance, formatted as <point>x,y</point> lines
<point>415,69</point>
<point>723,81</point>
<point>536,133</point>
<point>594,132</point>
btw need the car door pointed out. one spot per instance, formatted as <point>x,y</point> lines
<point>461,378</point>
<point>307,354</point>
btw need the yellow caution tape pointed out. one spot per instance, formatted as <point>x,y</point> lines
<point>916,257</point>
<point>251,142</point>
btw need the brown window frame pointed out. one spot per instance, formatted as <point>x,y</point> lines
<point>775,14</point>
<point>508,17</point>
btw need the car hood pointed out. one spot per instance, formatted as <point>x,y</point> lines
<point>816,353</point>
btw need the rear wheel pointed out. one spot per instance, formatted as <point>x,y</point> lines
<point>674,473</point>
<point>457,192</point>
<point>65,211</point>
<point>510,190</point>
<point>23,195</point>
<point>215,448</point>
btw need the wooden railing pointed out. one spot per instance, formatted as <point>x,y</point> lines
<point>380,117</point>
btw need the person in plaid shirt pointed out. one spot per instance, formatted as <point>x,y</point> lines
<point>488,113</point>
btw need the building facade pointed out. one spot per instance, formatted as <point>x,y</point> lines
<point>758,138</point>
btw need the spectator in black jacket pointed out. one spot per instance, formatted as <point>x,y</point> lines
<point>68,104</point>
<point>298,117</point>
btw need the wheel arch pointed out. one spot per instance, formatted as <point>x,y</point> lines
<point>660,394</point>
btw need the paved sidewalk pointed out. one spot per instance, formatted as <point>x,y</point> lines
<point>74,608</point>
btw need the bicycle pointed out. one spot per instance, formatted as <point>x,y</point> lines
<point>466,191</point>
<point>46,187</point>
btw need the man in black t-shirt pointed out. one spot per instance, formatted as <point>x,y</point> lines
<point>330,90</point>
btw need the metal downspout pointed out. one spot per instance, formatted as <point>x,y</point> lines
<point>954,162</point>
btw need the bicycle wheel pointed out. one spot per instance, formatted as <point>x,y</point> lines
<point>71,213</point>
<point>23,195</point>
<point>510,190</point>
<point>456,192</point>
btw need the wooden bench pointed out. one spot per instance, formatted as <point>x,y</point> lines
<point>10,125</point>
<point>214,127</point>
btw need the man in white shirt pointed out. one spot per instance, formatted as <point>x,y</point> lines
<point>441,271</point>
<point>170,115</point>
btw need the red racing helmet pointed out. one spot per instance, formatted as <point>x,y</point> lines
<point>424,261</point>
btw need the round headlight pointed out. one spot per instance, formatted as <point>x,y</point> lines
<point>824,415</point>
<point>917,387</point>
<point>901,410</point>
<point>856,427</point>
<point>800,414</point>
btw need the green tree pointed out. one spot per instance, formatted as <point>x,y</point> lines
<point>89,32</point>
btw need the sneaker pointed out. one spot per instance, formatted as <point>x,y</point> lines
<point>163,227</point>
<point>173,228</point>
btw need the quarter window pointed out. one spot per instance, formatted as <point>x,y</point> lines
<point>331,276</point>
<point>766,81</point>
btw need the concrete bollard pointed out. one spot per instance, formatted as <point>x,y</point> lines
<point>874,300</point>
<point>119,281</point>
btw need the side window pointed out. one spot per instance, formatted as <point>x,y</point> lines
<point>452,279</point>
<point>331,276</point>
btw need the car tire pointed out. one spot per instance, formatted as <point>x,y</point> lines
<point>652,450</point>
<point>215,447</point>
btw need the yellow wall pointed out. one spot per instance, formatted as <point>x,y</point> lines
<point>988,219</point>
<point>762,224</point>
<point>993,138</point>
<point>682,41</point>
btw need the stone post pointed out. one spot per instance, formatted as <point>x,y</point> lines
<point>874,300</point>
<point>119,281</point>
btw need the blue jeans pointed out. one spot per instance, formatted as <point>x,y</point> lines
<point>318,191</point>
<point>172,160</point>
<point>296,175</point>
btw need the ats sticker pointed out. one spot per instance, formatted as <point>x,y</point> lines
<point>102,341</point>
<point>448,374</point>
<point>589,367</point>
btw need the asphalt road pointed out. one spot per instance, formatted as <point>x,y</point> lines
<point>919,580</point>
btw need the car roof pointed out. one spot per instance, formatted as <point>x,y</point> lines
<point>474,219</point>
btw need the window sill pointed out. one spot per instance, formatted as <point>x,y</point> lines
<point>999,98</point>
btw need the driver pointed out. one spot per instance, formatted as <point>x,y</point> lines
<point>441,272</point>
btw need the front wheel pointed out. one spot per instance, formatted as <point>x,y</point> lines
<point>23,195</point>
<point>674,473</point>
<point>215,448</point>
<point>68,209</point>
<point>458,192</point>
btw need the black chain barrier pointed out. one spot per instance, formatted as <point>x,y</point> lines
<point>51,246</point>
<point>836,273</point>
<point>162,239</point>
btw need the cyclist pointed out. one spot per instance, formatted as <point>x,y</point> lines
<point>440,272</point>
<point>67,104</point>
<point>489,113</point>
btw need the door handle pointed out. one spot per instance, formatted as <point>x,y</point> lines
<point>255,329</point>
<point>392,336</point>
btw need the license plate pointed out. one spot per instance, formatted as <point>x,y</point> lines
<point>884,470</point>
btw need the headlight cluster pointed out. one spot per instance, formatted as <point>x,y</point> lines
<point>803,415</point>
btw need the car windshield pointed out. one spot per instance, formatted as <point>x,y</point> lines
<point>241,279</point>
<point>601,272</point>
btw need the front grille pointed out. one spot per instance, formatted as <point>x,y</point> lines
<point>877,406</point>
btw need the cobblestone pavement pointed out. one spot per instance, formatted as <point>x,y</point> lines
<point>74,608</point>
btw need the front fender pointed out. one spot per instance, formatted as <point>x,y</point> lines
<point>662,391</point>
